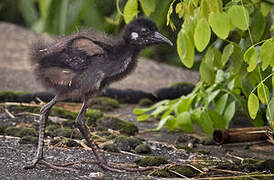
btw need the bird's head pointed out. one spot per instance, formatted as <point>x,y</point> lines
<point>143,32</point>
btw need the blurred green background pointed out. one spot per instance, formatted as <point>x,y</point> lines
<point>61,17</point>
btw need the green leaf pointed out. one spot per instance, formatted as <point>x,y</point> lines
<point>227,52</point>
<point>138,111</point>
<point>148,6</point>
<point>266,53</point>
<point>202,34</point>
<point>236,59</point>
<point>170,11</point>
<point>130,10</point>
<point>219,23</point>
<point>265,8</point>
<point>239,16</point>
<point>180,9</point>
<point>184,121</point>
<point>159,110</point>
<point>204,8</point>
<point>229,113</point>
<point>143,117</point>
<point>171,123</point>
<point>221,104</point>
<point>263,93</point>
<point>270,112</point>
<point>29,12</point>
<point>205,123</point>
<point>253,105</point>
<point>184,105</point>
<point>273,80</point>
<point>162,123</point>
<point>257,27</point>
<point>250,58</point>
<point>217,119</point>
<point>207,73</point>
<point>212,95</point>
<point>185,48</point>
<point>272,59</point>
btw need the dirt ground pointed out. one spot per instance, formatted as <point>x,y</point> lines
<point>212,161</point>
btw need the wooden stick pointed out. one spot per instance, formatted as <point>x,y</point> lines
<point>240,135</point>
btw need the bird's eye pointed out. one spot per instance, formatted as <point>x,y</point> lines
<point>144,30</point>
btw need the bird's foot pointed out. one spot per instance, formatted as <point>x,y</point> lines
<point>75,165</point>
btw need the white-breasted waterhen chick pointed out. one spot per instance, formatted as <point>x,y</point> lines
<point>81,65</point>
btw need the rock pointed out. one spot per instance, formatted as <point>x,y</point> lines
<point>20,131</point>
<point>127,143</point>
<point>29,140</point>
<point>117,124</point>
<point>143,149</point>
<point>151,161</point>
<point>145,102</point>
<point>111,148</point>
<point>104,103</point>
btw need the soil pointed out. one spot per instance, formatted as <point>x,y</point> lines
<point>211,160</point>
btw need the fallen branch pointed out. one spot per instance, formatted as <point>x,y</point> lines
<point>240,135</point>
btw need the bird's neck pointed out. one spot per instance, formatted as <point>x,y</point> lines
<point>123,50</point>
<point>122,62</point>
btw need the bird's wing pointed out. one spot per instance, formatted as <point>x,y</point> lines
<point>74,52</point>
<point>60,63</point>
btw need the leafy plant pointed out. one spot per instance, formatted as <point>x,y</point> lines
<point>65,16</point>
<point>234,38</point>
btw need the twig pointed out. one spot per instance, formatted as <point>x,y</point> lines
<point>238,177</point>
<point>190,165</point>
<point>83,144</point>
<point>40,101</point>
<point>227,171</point>
<point>19,104</point>
<point>178,174</point>
<point>236,157</point>
<point>9,114</point>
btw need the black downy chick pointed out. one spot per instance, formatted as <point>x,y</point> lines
<point>81,65</point>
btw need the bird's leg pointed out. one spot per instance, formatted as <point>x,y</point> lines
<point>80,122</point>
<point>44,113</point>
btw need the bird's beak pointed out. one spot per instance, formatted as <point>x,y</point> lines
<point>159,38</point>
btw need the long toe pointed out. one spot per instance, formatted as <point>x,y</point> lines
<point>65,167</point>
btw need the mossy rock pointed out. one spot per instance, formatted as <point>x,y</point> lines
<point>10,96</point>
<point>92,115</point>
<point>163,173</point>
<point>111,148</point>
<point>145,102</point>
<point>51,128</point>
<point>143,149</point>
<point>127,143</point>
<point>151,161</point>
<point>181,169</point>
<point>104,103</point>
<point>55,111</point>
<point>266,165</point>
<point>20,132</point>
<point>3,129</point>
<point>181,84</point>
<point>61,112</point>
<point>65,141</point>
<point>117,124</point>
<point>185,170</point>
<point>186,148</point>
<point>25,109</point>
<point>29,140</point>
<point>65,132</point>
